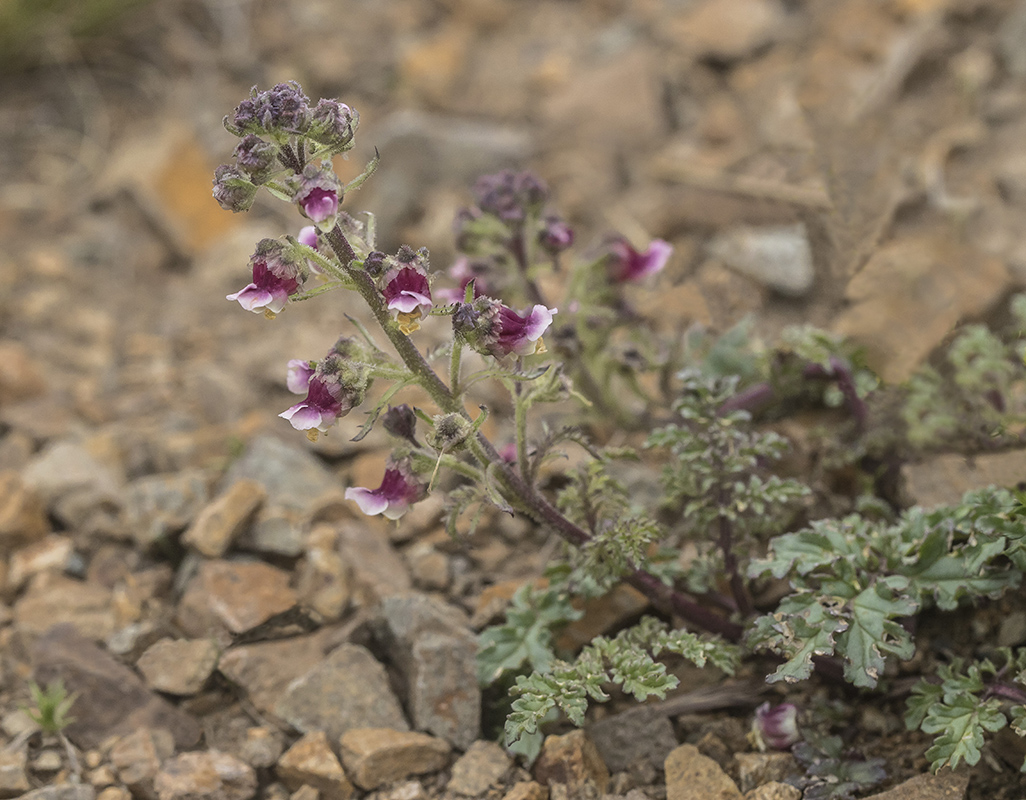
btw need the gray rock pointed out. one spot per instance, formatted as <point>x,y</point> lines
<point>378,569</point>
<point>348,690</point>
<point>262,747</point>
<point>220,522</point>
<point>52,599</point>
<point>266,669</point>
<point>777,256</point>
<point>947,785</point>
<point>66,791</point>
<point>433,647</point>
<point>75,485</point>
<point>137,758</point>
<point>476,771</point>
<point>13,775</point>
<point>205,775</point>
<point>626,738</point>
<point>1013,630</point>
<point>160,506</point>
<point>376,756</point>
<point>179,666</point>
<point>112,700</point>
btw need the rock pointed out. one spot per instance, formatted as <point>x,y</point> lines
<point>376,756</point>
<point>22,513</point>
<point>266,669</point>
<point>20,376</point>
<point>305,793</point>
<point>429,567</point>
<point>220,522</point>
<point>311,762</point>
<point>755,769</point>
<point>205,775</point>
<point>65,791</point>
<point>1012,39</point>
<point>602,615</point>
<point>1012,632</point>
<point>778,257</point>
<point>774,790</point>
<point>137,758</point>
<point>13,775</point>
<point>294,479</point>
<point>233,595</point>
<point>324,581</point>
<point>408,790</point>
<point>52,553</point>
<point>114,793</point>
<point>432,646</point>
<point>161,506</point>
<point>378,570</point>
<point>72,482</point>
<point>112,700</point>
<point>481,767</point>
<point>262,747</point>
<point>946,785</point>
<point>53,599</point>
<point>178,666</point>
<point>932,281</point>
<point>49,761</point>
<point>727,30</point>
<point>623,739</point>
<point>942,480</point>
<point>572,760</point>
<point>527,790</point>
<point>348,689</point>
<point>692,776</point>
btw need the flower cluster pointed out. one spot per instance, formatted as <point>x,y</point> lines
<point>495,329</point>
<point>278,274</point>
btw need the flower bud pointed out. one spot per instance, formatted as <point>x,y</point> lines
<point>450,432</point>
<point>232,190</point>
<point>776,726</point>
<point>318,194</point>
<point>494,329</point>
<point>257,158</point>
<point>509,195</point>
<point>375,263</point>
<point>283,110</point>
<point>556,236</point>
<point>401,422</point>
<point>333,124</point>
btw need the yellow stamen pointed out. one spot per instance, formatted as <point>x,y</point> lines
<point>312,434</point>
<point>539,346</point>
<point>269,314</point>
<point>408,321</point>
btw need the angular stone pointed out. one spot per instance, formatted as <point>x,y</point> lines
<point>221,522</point>
<point>728,30</point>
<point>22,513</point>
<point>774,790</point>
<point>476,771</point>
<point>112,700</point>
<point>942,480</point>
<point>945,785</point>
<point>325,581</point>
<point>348,689</point>
<point>378,570</point>
<point>692,776</point>
<point>755,769</point>
<point>433,647</point>
<point>65,791</point>
<point>266,669</point>
<point>262,747</point>
<point>161,506</point>
<point>13,775</point>
<point>376,756</point>
<point>205,775</point>
<point>603,614</point>
<point>20,374</point>
<point>178,666</point>
<point>311,762</point>
<point>623,739</point>
<point>72,481</point>
<point>49,553</point>
<point>114,793</point>
<point>527,790</point>
<point>777,257</point>
<point>53,599</point>
<point>137,758</point>
<point>233,595</point>
<point>573,761</point>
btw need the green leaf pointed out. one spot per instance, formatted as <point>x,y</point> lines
<point>803,627</point>
<point>961,721</point>
<point>873,633</point>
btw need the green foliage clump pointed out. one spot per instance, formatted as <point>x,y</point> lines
<point>50,706</point>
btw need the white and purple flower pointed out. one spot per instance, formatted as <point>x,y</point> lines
<point>298,375</point>
<point>776,726</point>
<point>334,386</point>
<point>492,328</point>
<point>400,488</point>
<point>627,265</point>
<point>276,277</point>
<point>318,196</point>
<point>408,293</point>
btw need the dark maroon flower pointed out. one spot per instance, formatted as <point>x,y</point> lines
<point>400,488</point>
<point>408,293</point>
<point>556,236</point>
<point>493,328</point>
<point>627,265</point>
<point>276,277</point>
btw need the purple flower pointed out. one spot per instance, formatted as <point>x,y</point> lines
<point>408,293</point>
<point>776,726</point>
<point>318,196</point>
<point>232,190</point>
<point>308,236</point>
<point>298,375</point>
<point>493,328</point>
<point>399,489</point>
<point>283,109</point>
<point>336,387</point>
<point>510,195</point>
<point>464,271</point>
<point>628,265</point>
<point>333,124</point>
<point>276,277</point>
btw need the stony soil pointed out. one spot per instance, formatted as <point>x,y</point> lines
<point>184,560</point>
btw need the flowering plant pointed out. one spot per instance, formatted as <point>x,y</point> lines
<point>850,584</point>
